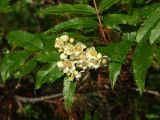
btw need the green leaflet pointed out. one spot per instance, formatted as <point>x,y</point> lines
<point>12,62</point>
<point>148,25</point>
<point>114,71</point>
<point>50,74</point>
<point>67,8</point>
<point>106,4</point>
<point>113,20</point>
<point>155,34</point>
<point>25,40</point>
<point>146,10</point>
<point>48,55</point>
<point>75,23</point>
<point>141,62</point>
<point>69,92</point>
<point>118,51</point>
<point>28,67</point>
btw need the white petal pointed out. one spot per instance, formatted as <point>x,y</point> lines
<point>65,38</point>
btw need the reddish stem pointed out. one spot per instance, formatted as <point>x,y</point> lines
<point>104,40</point>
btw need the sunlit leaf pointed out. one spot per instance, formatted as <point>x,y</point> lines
<point>69,92</point>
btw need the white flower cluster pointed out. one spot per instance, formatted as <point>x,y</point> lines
<point>76,58</point>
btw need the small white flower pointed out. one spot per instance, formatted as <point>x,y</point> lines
<point>79,47</point>
<point>93,63</point>
<point>75,73</point>
<point>73,56</point>
<point>65,38</point>
<point>69,66</point>
<point>60,50</point>
<point>82,65</point>
<point>71,40</point>
<point>60,64</point>
<point>104,60</point>
<point>81,57</point>
<point>99,56</point>
<point>68,49</point>
<point>59,43</point>
<point>63,56</point>
<point>91,53</point>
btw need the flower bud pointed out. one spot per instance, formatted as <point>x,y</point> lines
<point>71,40</point>
<point>63,56</point>
<point>60,64</point>
<point>99,56</point>
<point>65,38</point>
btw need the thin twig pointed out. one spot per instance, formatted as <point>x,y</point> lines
<point>60,95</point>
<point>37,99</point>
<point>152,92</point>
